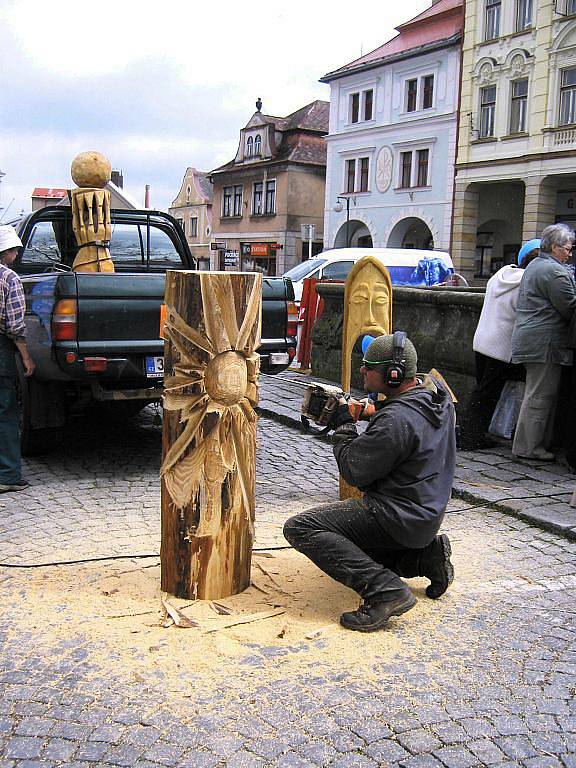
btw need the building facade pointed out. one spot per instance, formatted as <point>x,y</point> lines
<point>392,140</point>
<point>273,186</point>
<point>517,134</point>
<point>192,208</point>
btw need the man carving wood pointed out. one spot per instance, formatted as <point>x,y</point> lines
<point>404,462</point>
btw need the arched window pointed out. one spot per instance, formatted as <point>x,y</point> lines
<point>257,145</point>
<point>249,146</point>
<point>188,191</point>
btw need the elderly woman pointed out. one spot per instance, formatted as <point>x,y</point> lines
<point>540,339</point>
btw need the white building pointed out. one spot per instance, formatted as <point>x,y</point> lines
<point>392,139</point>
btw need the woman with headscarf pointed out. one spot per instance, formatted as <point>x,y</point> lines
<point>540,340</point>
<point>493,348</point>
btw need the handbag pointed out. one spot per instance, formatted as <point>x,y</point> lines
<point>505,416</point>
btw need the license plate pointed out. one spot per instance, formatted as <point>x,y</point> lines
<point>279,358</point>
<point>154,367</point>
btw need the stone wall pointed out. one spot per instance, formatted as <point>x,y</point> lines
<point>441,323</point>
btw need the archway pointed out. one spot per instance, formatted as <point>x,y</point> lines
<point>353,234</point>
<point>411,233</point>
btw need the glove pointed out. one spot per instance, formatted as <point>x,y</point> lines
<point>341,416</point>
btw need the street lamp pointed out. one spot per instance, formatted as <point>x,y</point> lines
<point>338,208</point>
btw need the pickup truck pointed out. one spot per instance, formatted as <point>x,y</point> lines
<point>95,338</point>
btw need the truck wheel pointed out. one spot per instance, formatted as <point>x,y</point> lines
<point>32,441</point>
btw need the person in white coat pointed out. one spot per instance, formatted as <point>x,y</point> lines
<point>493,347</point>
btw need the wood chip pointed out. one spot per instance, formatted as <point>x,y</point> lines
<point>220,608</point>
<point>248,619</point>
<point>173,616</point>
<point>272,579</point>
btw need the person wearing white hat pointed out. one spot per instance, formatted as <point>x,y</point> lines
<point>12,342</point>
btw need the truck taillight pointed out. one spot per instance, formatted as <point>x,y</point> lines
<point>292,326</point>
<point>65,320</point>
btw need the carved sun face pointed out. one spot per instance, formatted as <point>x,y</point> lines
<point>214,387</point>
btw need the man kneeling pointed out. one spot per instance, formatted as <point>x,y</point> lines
<point>404,462</point>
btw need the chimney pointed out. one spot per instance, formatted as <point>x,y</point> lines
<point>118,179</point>
<point>147,196</point>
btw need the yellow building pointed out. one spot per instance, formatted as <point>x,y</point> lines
<point>192,208</point>
<point>515,169</point>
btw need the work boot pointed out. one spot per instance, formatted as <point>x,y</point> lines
<point>374,614</point>
<point>435,565</point>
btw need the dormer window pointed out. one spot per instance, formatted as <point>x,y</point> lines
<point>258,145</point>
<point>249,146</point>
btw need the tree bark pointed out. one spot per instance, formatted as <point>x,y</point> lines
<point>213,322</point>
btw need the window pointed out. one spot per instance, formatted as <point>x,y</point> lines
<point>492,24</point>
<point>350,175</point>
<point>405,170</point>
<point>518,104</point>
<point>258,145</point>
<point>257,199</point>
<point>249,146</point>
<point>357,175</point>
<point>368,104</point>
<point>181,224</point>
<point>270,202</point>
<point>364,100</point>
<point>487,109</point>
<point>428,95</point>
<point>570,7</point>
<point>238,199</point>
<point>354,107</point>
<point>42,250</point>
<point>411,95</point>
<point>338,270</point>
<point>568,97</point>
<point>193,226</point>
<point>364,168</point>
<point>523,15</point>
<point>227,193</point>
<point>423,155</point>
<point>128,248</point>
<point>188,192</point>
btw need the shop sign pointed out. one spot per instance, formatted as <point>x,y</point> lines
<point>231,259</point>
<point>259,249</point>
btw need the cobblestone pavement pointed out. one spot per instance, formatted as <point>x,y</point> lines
<point>484,676</point>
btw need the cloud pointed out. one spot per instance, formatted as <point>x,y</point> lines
<point>159,90</point>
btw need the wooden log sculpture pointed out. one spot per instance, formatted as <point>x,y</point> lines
<point>91,212</point>
<point>367,310</point>
<point>212,329</point>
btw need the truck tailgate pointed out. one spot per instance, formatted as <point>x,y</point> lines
<point>119,313</point>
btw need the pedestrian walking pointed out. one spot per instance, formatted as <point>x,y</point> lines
<point>12,342</point>
<point>492,345</point>
<point>404,462</point>
<point>540,339</point>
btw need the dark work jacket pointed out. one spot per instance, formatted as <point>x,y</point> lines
<point>404,462</point>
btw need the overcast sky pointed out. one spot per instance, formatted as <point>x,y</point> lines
<point>161,86</point>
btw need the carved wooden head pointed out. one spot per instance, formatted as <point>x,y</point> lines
<point>367,308</point>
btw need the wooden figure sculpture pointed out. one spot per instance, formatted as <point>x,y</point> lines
<point>91,212</point>
<point>367,310</point>
<point>212,329</point>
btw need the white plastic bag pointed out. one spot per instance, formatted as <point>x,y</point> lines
<point>505,416</point>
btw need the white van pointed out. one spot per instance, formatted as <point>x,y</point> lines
<point>407,266</point>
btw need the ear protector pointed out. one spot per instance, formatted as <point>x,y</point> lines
<point>396,371</point>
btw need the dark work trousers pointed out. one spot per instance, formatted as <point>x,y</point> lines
<point>491,375</point>
<point>10,468</point>
<point>346,541</point>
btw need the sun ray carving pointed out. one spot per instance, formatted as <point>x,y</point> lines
<point>211,388</point>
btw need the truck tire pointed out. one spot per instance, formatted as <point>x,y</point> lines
<point>32,441</point>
